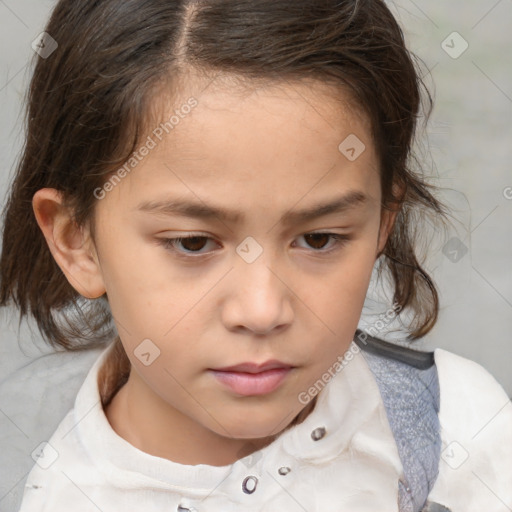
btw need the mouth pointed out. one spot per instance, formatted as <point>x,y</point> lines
<point>250,367</point>
<point>253,379</point>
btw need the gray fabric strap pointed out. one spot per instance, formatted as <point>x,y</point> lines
<point>411,398</point>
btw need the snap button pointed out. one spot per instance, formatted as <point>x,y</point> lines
<point>284,470</point>
<point>318,433</point>
<point>249,484</point>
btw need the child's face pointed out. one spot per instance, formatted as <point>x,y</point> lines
<point>217,302</point>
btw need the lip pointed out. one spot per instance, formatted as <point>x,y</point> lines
<point>249,379</point>
<point>260,383</point>
<point>250,367</point>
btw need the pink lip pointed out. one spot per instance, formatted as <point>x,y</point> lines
<point>253,379</point>
<point>250,367</point>
<point>259,383</point>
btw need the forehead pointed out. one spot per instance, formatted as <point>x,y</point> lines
<point>318,104</point>
<point>273,144</point>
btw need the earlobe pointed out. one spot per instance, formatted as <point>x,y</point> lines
<point>71,246</point>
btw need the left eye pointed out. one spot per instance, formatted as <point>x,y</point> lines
<point>193,244</point>
<point>318,238</point>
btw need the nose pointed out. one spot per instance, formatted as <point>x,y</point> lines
<point>259,299</point>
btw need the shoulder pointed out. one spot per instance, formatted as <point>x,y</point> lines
<point>475,470</point>
<point>64,470</point>
<point>37,397</point>
<point>469,391</point>
<point>475,424</point>
<point>458,370</point>
<point>50,483</point>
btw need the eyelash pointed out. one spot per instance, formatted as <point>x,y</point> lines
<point>170,243</point>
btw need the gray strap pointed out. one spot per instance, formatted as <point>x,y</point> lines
<point>435,507</point>
<point>411,398</point>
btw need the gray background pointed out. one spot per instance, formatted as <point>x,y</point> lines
<point>469,138</point>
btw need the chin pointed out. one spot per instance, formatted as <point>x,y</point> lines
<point>260,429</point>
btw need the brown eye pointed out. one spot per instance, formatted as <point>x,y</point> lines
<point>317,240</point>
<point>193,243</point>
<point>185,245</point>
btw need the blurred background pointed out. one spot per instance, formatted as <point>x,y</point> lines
<point>466,48</point>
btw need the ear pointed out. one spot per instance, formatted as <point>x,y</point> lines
<point>71,246</point>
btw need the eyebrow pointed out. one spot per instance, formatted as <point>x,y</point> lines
<point>199,210</point>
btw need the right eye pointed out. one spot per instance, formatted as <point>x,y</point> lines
<point>192,244</point>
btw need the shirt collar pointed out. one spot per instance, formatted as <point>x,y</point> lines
<point>348,399</point>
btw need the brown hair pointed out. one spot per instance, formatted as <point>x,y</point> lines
<point>90,102</point>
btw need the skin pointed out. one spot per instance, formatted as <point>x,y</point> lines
<point>262,151</point>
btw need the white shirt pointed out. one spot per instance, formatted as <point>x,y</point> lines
<point>354,467</point>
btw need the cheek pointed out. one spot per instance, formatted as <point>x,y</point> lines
<point>342,287</point>
<point>142,289</point>
<point>356,276</point>
<point>337,300</point>
<point>166,376</point>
